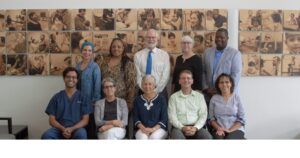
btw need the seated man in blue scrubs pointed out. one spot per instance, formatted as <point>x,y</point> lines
<point>68,110</point>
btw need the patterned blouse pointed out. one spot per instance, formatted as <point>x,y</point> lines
<point>125,80</point>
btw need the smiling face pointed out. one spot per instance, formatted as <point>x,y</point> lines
<point>194,19</point>
<point>109,89</point>
<point>221,40</point>
<point>148,85</point>
<point>71,79</point>
<point>87,52</point>
<point>186,80</point>
<point>225,85</point>
<point>293,43</point>
<point>151,38</point>
<point>117,48</point>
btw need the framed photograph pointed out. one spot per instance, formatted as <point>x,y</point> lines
<point>271,43</point>
<point>270,65</point>
<point>82,19</point>
<point>2,20</point>
<point>251,65</point>
<point>291,65</point>
<point>215,19</point>
<point>198,37</point>
<point>16,42</point>
<point>291,43</point>
<point>171,41</point>
<point>37,19</point>
<point>16,20</point>
<point>291,20</point>
<point>129,39</point>
<point>76,59</point>
<point>78,38</point>
<point>209,38</point>
<point>60,19</point>
<point>103,19</point>
<point>38,42</point>
<point>59,42</point>
<point>102,41</point>
<point>2,64</point>
<point>249,42</point>
<point>194,19</point>
<point>38,64</point>
<point>272,20</point>
<point>2,43</point>
<point>126,19</point>
<point>98,58</point>
<point>148,19</point>
<point>171,19</point>
<point>250,20</point>
<point>16,65</point>
<point>58,62</point>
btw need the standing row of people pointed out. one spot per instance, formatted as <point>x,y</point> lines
<point>194,82</point>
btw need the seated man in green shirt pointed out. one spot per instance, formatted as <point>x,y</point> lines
<point>187,111</point>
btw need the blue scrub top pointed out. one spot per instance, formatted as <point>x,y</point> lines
<point>69,111</point>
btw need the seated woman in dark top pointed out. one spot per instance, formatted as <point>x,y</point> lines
<point>111,113</point>
<point>226,113</point>
<point>188,61</point>
<point>150,112</point>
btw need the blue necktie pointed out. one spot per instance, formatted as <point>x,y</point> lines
<point>149,63</point>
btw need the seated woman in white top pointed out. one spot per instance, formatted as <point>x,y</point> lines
<point>226,113</point>
<point>111,113</point>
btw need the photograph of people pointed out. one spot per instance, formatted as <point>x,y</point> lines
<point>219,17</point>
<point>150,113</point>
<point>38,42</point>
<point>209,39</point>
<point>291,43</point>
<point>272,20</point>
<point>170,41</point>
<point>60,19</point>
<point>129,39</point>
<point>249,42</point>
<point>126,19</point>
<point>2,20</point>
<point>58,62</point>
<point>171,19</point>
<point>111,113</point>
<point>148,19</point>
<point>78,38</point>
<point>38,64</point>
<point>102,40</point>
<point>76,59</point>
<point>16,20</point>
<point>2,64</point>
<point>250,20</point>
<point>194,20</point>
<point>82,19</point>
<point>291,20</point>
<point>271,43</point>
<point>226,112</point>
<point>16,65</point>
<point>291,65</point>
<point>2,42</point>
<point>37,19</point>
<point>59,42</point>
<point>270,65</point>
<point>104,19</point>
<point>16,42</point>
<point>251,65</point>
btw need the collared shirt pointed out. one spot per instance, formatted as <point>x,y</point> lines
<point>187,110</point>
<point>69,111</point>
<point>160,67</point>
<point>218,55</point>
<point>226,114</point>
<point>90,79</point>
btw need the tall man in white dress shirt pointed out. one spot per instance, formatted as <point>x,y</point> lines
<point>154,61</point>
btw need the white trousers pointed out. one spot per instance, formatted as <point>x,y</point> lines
<point>113,133</point>
<point>158,134</point>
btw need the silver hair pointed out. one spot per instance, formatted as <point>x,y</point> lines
<point>108,79</point>
<point>187,38</point>
<point>146,77</point>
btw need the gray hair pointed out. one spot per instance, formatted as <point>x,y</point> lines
<point>147,77</point>
<point>108,79</point>
<point>187,38</point>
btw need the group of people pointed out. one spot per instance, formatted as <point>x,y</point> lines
<point>204,103</point>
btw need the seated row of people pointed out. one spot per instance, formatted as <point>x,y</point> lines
<point>186,111</point>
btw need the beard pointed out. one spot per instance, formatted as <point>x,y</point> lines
<point>152,45</point>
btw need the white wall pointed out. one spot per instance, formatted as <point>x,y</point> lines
<point>271,103</point>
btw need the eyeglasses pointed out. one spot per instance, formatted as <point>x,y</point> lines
<point>71,77</point>
<point>110,86</point>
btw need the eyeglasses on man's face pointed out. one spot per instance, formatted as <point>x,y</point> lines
<point>108,87</point>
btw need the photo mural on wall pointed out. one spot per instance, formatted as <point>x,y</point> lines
<point>269,41</point>
<point>45,41</point>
